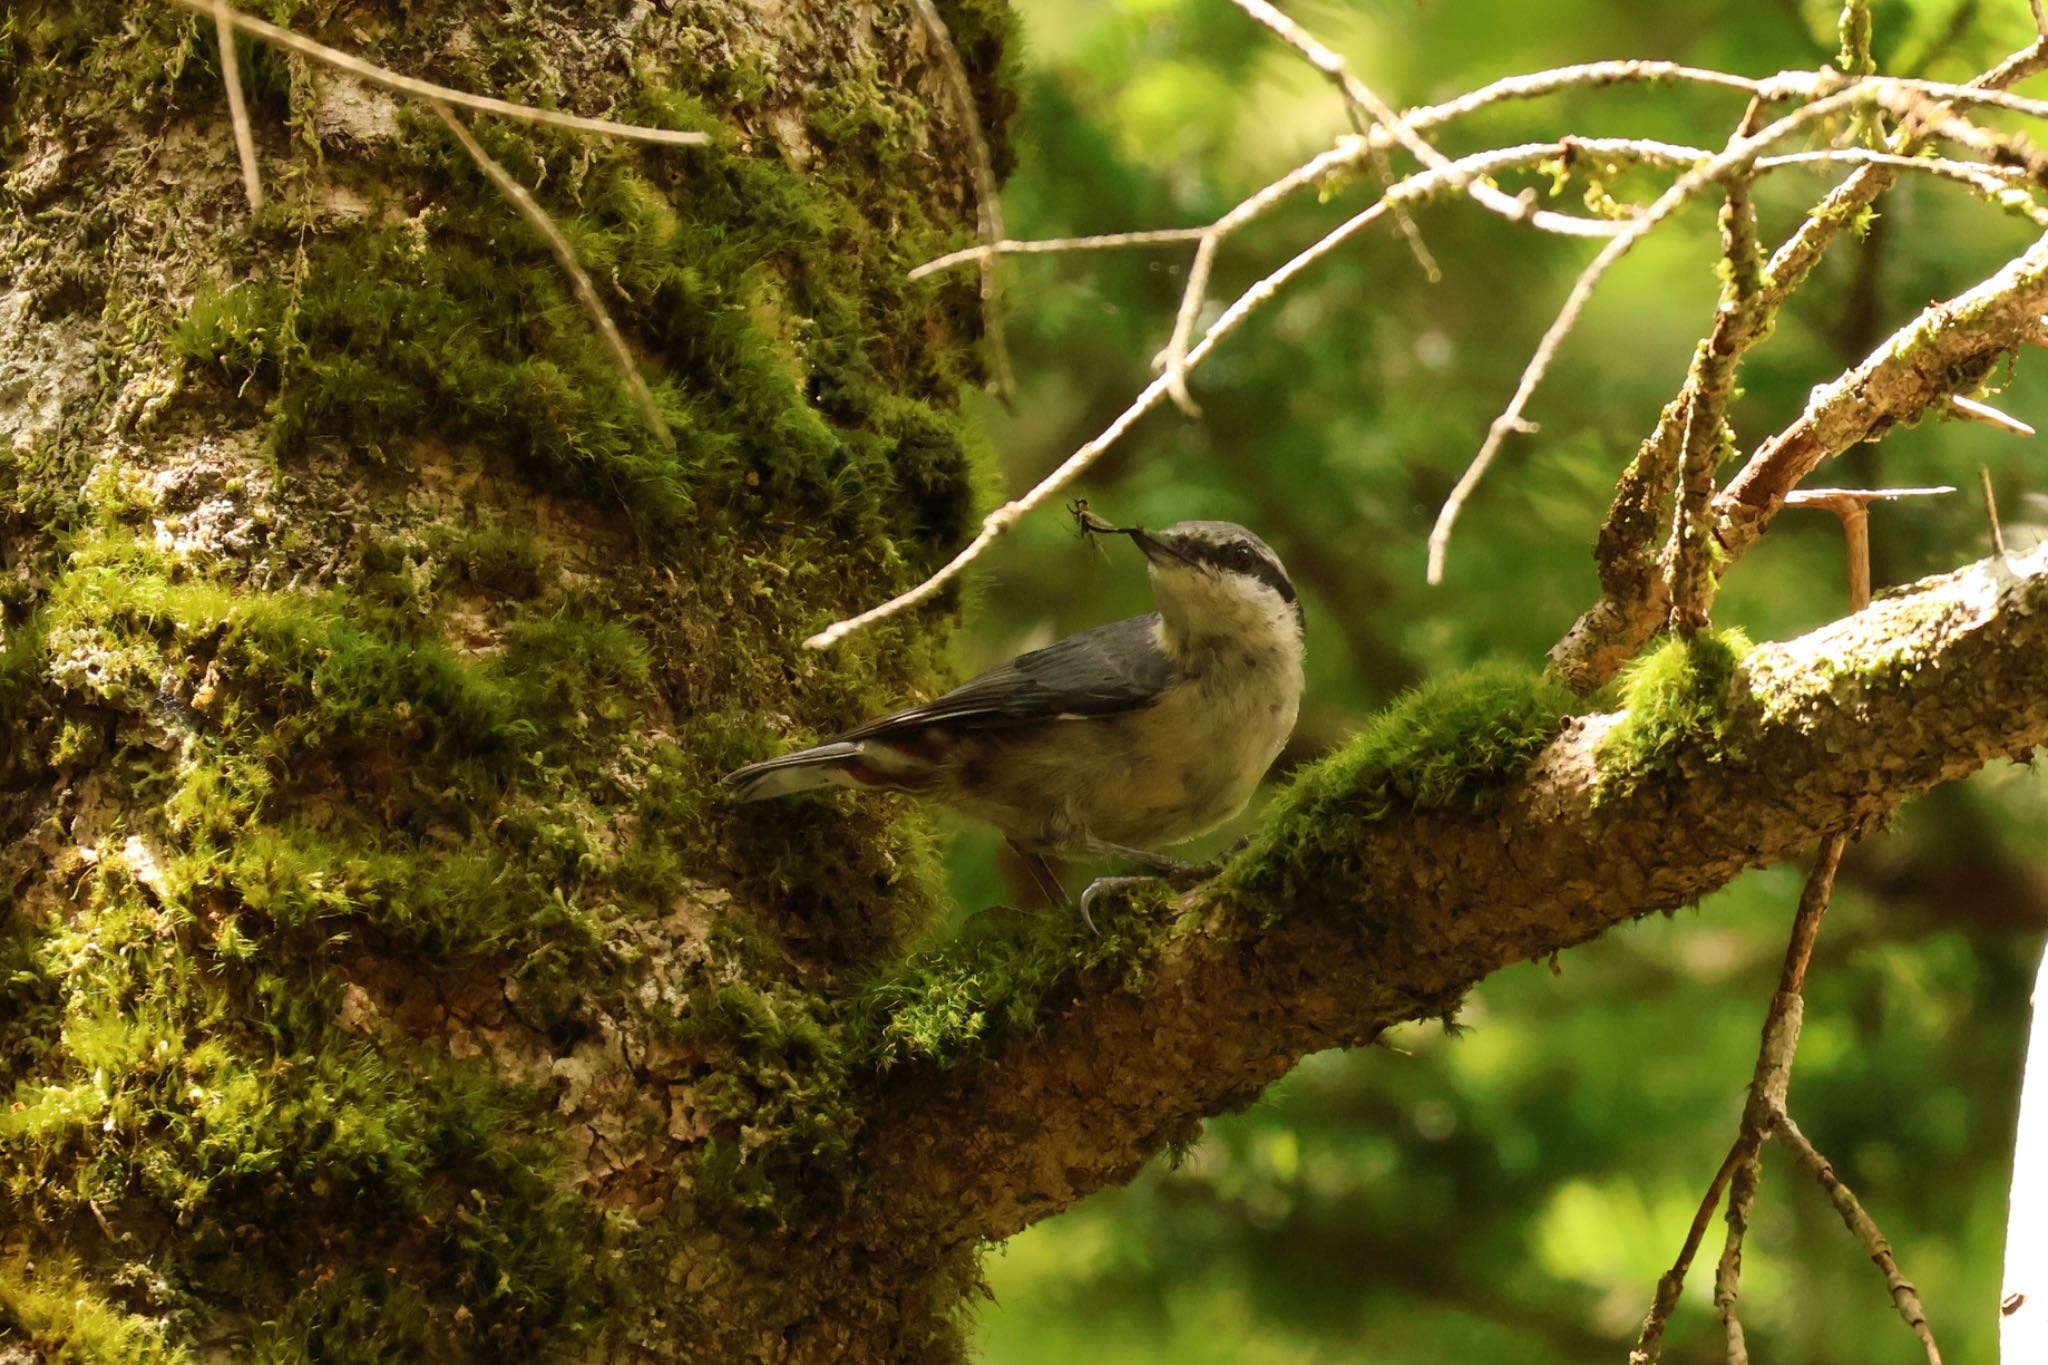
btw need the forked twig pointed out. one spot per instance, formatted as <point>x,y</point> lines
<point>1767,1088</point>
<point>1851,507</point>
<point>1650,1344</point>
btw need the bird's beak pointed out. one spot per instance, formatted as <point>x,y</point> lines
<point>1153,548</point>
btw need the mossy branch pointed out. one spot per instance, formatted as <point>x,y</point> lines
<point>1362,906</point>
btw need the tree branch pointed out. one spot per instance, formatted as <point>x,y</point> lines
<point>1348,918</point>
<point>1948,348</point>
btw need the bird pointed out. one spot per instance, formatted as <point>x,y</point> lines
<point>1112,742</point>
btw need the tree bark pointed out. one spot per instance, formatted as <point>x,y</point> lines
<point>380,976</point>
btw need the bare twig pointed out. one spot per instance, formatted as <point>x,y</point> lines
<point>1326,61</point>
<point>1767,1087</point>
<point>1851,507</point>
<point>1591,75</point>
<point>988,196</point>
<point>565,255</point>
<point>408,85</point>
<point>2040,18</point>
<point>1991,511</point>
<point>1733,159</point>
<point>1904,1296</point>
<point>2023,1298</point>
<point>1986,178</point>
<point>1363,101</point>
<point>1404,131</point>
<point>1108,241</point>
<point>998,522</point>
<point>238,108</point>
<point>1976,411</point>
<point>1650,1344</point>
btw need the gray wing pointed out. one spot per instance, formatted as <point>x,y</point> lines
<point>1099,672</point>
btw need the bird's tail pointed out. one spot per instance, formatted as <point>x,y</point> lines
<point>825,766</point>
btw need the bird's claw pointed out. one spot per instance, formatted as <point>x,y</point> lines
<point>1173,872</point>
<point>1097,887</point>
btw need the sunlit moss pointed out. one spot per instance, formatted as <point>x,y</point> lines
<point>1674,694</point>
<point>1449,745</point>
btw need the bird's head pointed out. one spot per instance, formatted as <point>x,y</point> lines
<point>1216,583</point>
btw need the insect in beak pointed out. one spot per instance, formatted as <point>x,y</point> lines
<point>1152,547</point>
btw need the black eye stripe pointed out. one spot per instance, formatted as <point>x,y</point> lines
<point>1240,558</point>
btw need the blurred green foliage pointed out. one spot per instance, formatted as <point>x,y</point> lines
<point>1511,1193</point>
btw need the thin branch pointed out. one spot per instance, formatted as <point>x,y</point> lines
<point>1975,411</point>
<point>565,255</point>
<point>1650,1344</point>
<point>1991,511</point>
<point>2040,18</point>
<point>238,108</point>
<point>408,85</point>
<point>2023,1295</point>
<point>988,196</point>
<point>1767,1087</point>
<point>1633,602</point>
<point>1592,75</point>
<point>1860,1224</point>
<point>998,522</point>
<point>1851,507</point>
<point>1736,157</point>
<point>1711,386</point>
<point>1404,131</point>
<point>1108,241</point>
<point>1362,115</point>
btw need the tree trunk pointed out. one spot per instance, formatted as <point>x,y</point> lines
<point>380,976</point>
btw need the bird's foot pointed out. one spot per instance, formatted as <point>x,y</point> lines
<point>1107,884</point>
<point>1159,867</point>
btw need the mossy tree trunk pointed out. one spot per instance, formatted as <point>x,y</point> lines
<point>379,978</point>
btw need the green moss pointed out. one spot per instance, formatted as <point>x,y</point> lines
<point>1674,695</point>
<point>778,1100</point>
<point>52,1309</point>
<point>163,1092</point>
<point>1001,976</point>
<point>1449,745</point>
<point>451,742</point>
<point>24,654</point>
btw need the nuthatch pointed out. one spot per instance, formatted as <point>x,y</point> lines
<point>1114,741</point>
